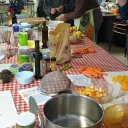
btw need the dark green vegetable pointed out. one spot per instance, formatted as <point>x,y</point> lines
<point>5,76</point>
<point>67,68</point>
<point>64,66</point>
<point>5,71</point>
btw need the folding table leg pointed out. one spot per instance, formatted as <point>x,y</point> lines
<point>1,18</point>
<point>125,51</point>
<point>110,42</point>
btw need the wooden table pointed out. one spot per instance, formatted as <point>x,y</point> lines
<point>6,3</point>
<point>100,59</point>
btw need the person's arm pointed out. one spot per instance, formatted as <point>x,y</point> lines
<point>69,7</point>
<point>80,8</point>
<point>47,6</point>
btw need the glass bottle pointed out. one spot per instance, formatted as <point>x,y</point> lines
<point>44,35</point>
<point>14,19</point>
<point>53,64</point>
<point>38,63</point>
<point>47,64</point>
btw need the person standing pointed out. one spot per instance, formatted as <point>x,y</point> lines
<point>54,8</point>
<point>81,7</point>
<point>123,8</point>
<point>123,11</point>
<point>40,9</point>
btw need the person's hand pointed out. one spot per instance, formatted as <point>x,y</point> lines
<point>61,17</point>
<point>60,9</point>
<point>53,11</point>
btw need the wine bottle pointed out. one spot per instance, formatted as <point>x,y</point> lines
<point>14,19</point>
<point>44,35</point>
<point>38,61</point>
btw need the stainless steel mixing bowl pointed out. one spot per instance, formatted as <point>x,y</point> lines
<point>74,111</point>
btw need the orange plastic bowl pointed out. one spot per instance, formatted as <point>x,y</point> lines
<point>116,116</point>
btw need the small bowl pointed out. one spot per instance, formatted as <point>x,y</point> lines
<point>116,116</point>
<point>24,77</point>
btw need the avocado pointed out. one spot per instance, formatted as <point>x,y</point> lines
<point>5,78</point>
<point>6,71</point>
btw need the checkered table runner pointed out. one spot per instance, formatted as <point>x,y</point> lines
<point>100,59</point>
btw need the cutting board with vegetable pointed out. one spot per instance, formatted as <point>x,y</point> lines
<point>118,77</point>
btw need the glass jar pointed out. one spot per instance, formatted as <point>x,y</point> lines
<point>26,120</point>
<point>47,65</point>
<point>53,64</point>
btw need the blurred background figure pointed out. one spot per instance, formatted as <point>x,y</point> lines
<point>54,8</point>
<point>123,11</point>
<point>40,9</point>
<point>82,7</point>
<point>123,8</point>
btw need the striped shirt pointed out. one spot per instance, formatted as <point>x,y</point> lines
<point>68,5</point>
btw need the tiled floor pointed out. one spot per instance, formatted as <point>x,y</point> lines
<point>116,51</point>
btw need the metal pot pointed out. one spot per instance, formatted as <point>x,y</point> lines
<point>72,111</point>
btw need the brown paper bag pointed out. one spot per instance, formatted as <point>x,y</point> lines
<point>60,44</point>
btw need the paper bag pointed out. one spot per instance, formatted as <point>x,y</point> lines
<point>60,44</point>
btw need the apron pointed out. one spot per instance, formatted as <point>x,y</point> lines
<point>88,18</point>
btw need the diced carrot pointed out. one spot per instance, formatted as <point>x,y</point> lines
<point>91,73</point>
<point>91,50</point>
<point>95,68</point>
<point>87,74</point>
<point>99,72</point>
<point>104,74</point>
<point>81,69</point>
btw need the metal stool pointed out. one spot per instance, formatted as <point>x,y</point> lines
<point>34,13</point>
<point>119,30</point>
<point>31,6</point>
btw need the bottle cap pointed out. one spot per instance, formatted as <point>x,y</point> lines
<point>44,22</point>
<point>47,59</point>
<point>53,59</point>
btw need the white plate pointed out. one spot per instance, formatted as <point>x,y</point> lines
<point>117,92</point>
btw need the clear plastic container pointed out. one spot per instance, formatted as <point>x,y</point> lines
<point>26,120</point>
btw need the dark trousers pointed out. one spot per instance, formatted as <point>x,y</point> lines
<point>71,22</point>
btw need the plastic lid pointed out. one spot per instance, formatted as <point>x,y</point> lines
<point>53,59</point>
<point>25,119</point>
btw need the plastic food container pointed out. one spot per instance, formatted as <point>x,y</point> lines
<point>24,77</point>
<point>106,97</point>
<point>26,120</point>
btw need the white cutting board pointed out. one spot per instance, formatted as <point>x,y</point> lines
<point>112,74</point>
<point>116,86</point>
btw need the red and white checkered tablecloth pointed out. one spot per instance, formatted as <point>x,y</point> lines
<point>100,59</point>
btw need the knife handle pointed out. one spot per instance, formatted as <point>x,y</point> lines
<point>40,120</point>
